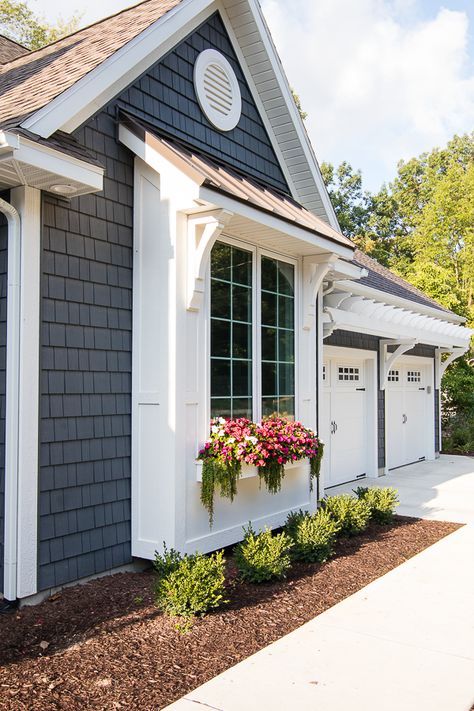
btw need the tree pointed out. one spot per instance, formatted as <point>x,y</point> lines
<point>297,101</point>
<point>19,23</point>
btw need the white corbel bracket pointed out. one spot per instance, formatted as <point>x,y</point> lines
<point>315,269</point>
<point>387,360</point>
<point>203,231</point>
<point>441,365</point>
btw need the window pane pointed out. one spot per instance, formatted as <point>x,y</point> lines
<point>286,278</point>
<point>220,299</point>
<point>269,343</point>
<point>220,377</point>
<point>241,266</point>
<point>221,261</point>
<point>221,407</point>
<point>286,407</point>
<point>269,274</point>
<point>286,379</point>
<point>278,344</point>
<point>269,406</point>
<point>269,309</point>
<point>241,303</point>
<point>242,407</point>
<point>269,379</point>
<point>286,308</point>
<point>220,338</point>
<point>286,346</point>
<point>241,341</point>
<point>241,377</point>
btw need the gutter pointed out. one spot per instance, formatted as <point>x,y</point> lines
<point>12,401</point>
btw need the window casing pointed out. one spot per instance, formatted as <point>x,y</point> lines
<point>252,332</point>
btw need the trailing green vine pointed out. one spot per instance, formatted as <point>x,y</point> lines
<point>222,475</point>
<point>272,474</point>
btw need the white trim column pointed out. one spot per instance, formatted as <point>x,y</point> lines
<point>27,201</point>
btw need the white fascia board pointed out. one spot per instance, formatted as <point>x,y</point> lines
<point>292,108</point>
<point>87,96</point>
<point>8,142</point>
<point>58,163</point>
<point>349,321</point>
<point>350,270</point>
<point>219,200</point>
<point>383,296</point>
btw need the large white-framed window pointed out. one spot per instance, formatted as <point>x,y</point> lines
<point>252,347</point>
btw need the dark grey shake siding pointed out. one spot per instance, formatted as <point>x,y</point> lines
<point>84,507</point>
<point>349,339</point>
<point>3,353</point>
<point>165,98</point>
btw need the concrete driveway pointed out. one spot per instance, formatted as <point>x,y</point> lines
<point>406,641</point>
<point>442,490</point>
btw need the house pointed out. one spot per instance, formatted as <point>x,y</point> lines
<point>169,252</point>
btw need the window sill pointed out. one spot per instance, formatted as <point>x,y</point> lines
<point>249,471</point>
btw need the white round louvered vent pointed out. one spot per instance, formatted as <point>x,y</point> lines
<point>217,90</point>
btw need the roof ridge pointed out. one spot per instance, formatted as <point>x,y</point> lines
<point>32,52</point>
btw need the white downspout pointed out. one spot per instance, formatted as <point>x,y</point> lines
<point>12,401</point>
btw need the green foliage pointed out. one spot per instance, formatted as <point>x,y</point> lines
<point>216,474</point>
<point>351,514</point>
<point>458,434</point>
<point>190,585</point>
<point>263,556</point>
<point>297,101</point>
<point>313,536</point>
<point>166,563</point>
<point>19,23</point>
<point>382,502</point>
<point>272,474</point>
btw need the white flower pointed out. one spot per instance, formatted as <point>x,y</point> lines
<point>214,429</point>
<point>231,440</point>
<point>221,421</point>
<point>254,440</point>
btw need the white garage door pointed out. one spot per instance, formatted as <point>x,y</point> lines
<point>407,414</point>
<point>345,420</point>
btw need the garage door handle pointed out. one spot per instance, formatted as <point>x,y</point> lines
<point>362,389</point>
<point>405,418</point>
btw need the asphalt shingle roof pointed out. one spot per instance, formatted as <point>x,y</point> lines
<point>381,278</point>
<point>10,50</point>
<point>33,80</point>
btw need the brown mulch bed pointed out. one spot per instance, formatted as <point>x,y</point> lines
<point>105,646</point>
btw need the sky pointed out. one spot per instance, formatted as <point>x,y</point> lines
<point>380,80</point>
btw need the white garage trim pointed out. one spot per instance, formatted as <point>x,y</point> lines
<point>414,362</point>
<point>369,358</point>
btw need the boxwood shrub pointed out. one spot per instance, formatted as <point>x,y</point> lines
<point>382,502</point>
<point>313,536</point>
<point>263,556</point>
<point>189,585</point>
<point>351,514</point>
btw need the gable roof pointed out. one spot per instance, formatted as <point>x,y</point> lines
<point>9,49</point>
<point>33,80</point>
<point>383,279</point>
<point>60,86</point>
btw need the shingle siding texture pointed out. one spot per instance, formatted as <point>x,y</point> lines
<point>350,339</point>
<point>3,341</point>
<point>84,505</point>
<point>166,99</point>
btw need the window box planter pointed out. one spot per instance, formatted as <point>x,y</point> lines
<point>249,471</point>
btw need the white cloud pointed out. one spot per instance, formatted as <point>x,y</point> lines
<point>376,87</point>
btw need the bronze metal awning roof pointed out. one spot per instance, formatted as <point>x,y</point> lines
<point>226,180</point>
